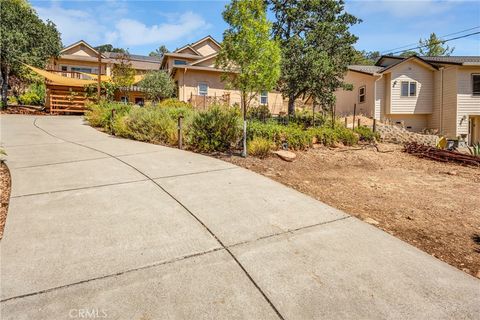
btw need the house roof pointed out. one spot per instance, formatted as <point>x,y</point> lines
<point>78,43</point>
<point>191,45</point>
<point>459,60</point>
<point>366,69</point>
<point>136,57</point>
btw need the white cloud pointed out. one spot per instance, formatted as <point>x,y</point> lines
<point>73,24</point>
<point>133,32</point>
<point>116,28</point>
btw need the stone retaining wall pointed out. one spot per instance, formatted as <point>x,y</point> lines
<point>397,134</point>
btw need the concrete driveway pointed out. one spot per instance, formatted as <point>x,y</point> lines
<point>101,227</point>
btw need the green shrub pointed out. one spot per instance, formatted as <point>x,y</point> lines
<point>259,113</point>
<point>329,136</point>
<point>35,95</point>
<point>150,124</point>
<point>100,114</point>
<point>366,134</point>
<point>215,129</point>
<point>12,100</point>
<point>296,137</point>
<point>305,118</point>
<point>174,103</point>
<point>259,147</point>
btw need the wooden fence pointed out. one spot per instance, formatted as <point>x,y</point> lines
<point>203,102</point>
<point>65,99</point>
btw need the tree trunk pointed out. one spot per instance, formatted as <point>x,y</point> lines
<point>4,89</point>
<point>291,105</point>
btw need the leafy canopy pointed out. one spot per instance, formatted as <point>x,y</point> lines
<point>159,52</point>
<point>249,56</point>
<point>157,85</point>
<point>433,46</point>
<point>123,74</point>
<point>109,48</point>
<point>317,47</point>
<point>24,38</point>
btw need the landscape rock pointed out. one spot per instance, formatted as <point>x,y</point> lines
<point>286,155</point>
<point>371,221</point>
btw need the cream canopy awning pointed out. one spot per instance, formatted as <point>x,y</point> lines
<point>57,79</point>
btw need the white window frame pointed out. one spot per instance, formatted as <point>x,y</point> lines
<point>364,95</point>
<point>409,93</point>
<point>124,99</point>
<point>473,92</point>
<point>200,92</point>
<point>264,95</point>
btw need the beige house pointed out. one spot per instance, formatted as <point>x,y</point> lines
<point>79,58</point>
<point>438,93</point>
<point>200,83</point>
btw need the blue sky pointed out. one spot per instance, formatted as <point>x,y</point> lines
<point>141,26</point>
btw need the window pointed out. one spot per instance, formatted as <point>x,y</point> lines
<point>179,62</point>
<point>408,89</point>
<point>361,94</point>
<point>476,84</point>
<point>202,89</point>
<point>264,98</point>
<point>139,101</point>
<point>82,69</point>
<point>124,99</point>
<point>64,68</point>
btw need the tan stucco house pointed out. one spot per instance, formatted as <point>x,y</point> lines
<point>80,58</point>
<point>199,82</point>
<point>438,93</point>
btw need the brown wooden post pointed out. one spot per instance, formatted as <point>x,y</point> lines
<point>112,121</point>
<point>374,124</point>
<point>346,122</point>
<point>354,114</point>
<point>358,123</point>
<point>180,142</point>
<point>99,80</point>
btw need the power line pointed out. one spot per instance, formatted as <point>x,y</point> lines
<point>447,35</point>
<point>438,42</point>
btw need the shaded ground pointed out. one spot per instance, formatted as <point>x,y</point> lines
<point>29,110</point>
<point>431,205</point>
<point>4,195</point>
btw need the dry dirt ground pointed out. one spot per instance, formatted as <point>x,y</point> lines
<point>4,195</point>
<point>433,206</point>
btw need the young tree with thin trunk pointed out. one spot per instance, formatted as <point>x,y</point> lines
<point>24,37</point>
<point>158,85</point>
<point>317,47</point>
<point>249,56</point>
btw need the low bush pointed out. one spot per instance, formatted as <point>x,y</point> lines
<point>150,124</point>
<point>366,134</point>
<point>329,136</point>
<point>35,95</point>
<point>306,118</point>
<point>174,103</point>
<point>293,135</point>
<point>259,147</point>
<point>259,113</point>
<point>100,114</point>
<point>216,129</point>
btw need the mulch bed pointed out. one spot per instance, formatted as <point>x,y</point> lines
<point>29,110</point>
<point>4,195</point>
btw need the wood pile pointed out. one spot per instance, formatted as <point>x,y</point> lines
<point>424,151</point>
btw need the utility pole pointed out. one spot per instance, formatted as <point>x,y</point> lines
<point>99,75</point>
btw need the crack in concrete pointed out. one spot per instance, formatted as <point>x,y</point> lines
<point>149,266</point>
<point>267,299</point>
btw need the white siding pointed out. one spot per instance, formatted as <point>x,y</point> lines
<point>434,118</point>
<point>467,103</point>
<point>423,102</point>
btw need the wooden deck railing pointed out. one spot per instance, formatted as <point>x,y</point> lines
<point>71,74</point>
